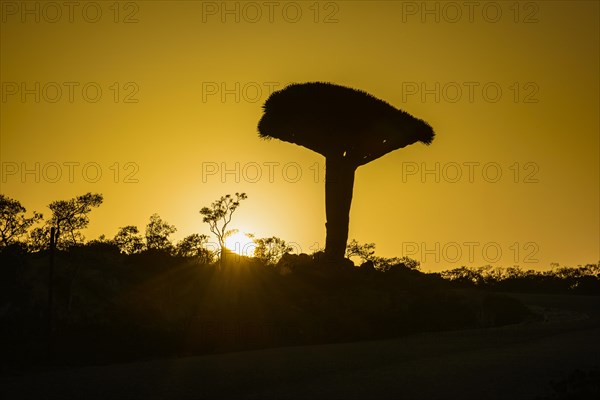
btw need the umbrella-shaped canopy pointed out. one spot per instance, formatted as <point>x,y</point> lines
<point>339,121</point>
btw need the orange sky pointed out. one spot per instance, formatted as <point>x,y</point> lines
<point>510,88</point>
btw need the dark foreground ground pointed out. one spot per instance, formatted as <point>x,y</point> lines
<point>522,361</point>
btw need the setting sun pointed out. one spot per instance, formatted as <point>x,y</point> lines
<point>240,243</point>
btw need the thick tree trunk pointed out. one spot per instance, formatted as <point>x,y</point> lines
<point>339,182</point>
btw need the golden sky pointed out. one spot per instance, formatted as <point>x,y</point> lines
<point>510,88</point>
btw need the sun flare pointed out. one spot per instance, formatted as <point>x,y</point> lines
<point>241,244</point>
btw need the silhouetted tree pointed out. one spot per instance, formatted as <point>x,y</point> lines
<point>388,263</point>
<point>349,128</point>
<point>129,240</point>
<point>464,275</point>
<point>13,223</point>
<point>102,245</point>
<point>365,252</point>
<point>157,234</point>
<point>193,246</point>
<point>218,216</point>
<point>410,263</point>
<point>490,274</point>
<point>515,272</point>
<point>270,250</point>
<point>69,217</point>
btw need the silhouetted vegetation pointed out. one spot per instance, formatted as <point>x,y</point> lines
<point>218,217</point>
<point>137,296</point>
<point>13,223</point>
<point>129,240</point>
<point>270,250</point>
<point>580,279</point>
<point>68,218</point>
<point>119,306</point>
<point>194,246</point>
